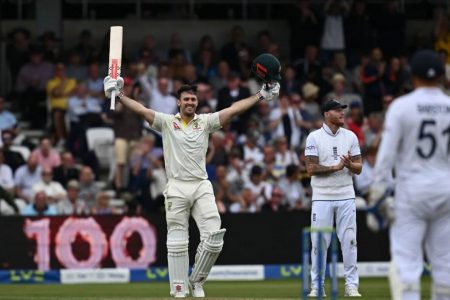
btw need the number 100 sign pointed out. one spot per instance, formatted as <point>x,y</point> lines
<point>92,233</point>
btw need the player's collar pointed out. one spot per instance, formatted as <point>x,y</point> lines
<point>178,116</point>
<point>328,130</point>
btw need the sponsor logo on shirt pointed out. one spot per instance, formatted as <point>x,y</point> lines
<point>310,147</point>
<point>176,126</point>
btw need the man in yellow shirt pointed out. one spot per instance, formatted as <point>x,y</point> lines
<point>59,88</point>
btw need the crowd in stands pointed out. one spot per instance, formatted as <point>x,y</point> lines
<point>256,164</point>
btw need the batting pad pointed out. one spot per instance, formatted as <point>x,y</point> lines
<point>207,253</point>
<point>400,291</point>
<point>178,260</point>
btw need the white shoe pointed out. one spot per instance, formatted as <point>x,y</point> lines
<point>315,293</point>
<point>197,290</point>
<point>352,291</point>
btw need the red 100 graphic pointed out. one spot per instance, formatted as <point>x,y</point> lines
<point>91,232</point>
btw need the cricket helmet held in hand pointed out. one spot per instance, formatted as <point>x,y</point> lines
<point>267,67</point>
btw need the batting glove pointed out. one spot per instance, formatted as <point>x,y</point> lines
<point>269,91</point>
<point>380,210</point>
<point>110,84</point>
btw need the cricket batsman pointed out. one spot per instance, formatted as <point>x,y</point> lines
<point>189,192</point>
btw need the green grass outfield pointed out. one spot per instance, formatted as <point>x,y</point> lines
<point>370,288</point>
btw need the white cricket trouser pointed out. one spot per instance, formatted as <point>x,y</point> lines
<point>323,214</point>
<point>421,220</point>
<point>196,197</point>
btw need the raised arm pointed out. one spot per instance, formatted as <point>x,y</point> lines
<point>137,107</point>
<point>268,92</point>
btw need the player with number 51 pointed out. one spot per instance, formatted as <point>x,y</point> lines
<point>416,144</point>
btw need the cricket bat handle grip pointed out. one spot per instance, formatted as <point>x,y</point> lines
<point>113,100</point>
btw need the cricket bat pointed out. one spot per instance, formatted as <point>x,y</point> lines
<point>115,57</point>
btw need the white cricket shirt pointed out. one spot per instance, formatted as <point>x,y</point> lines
<point>329,148</point>
<point>416,142</point>
<point>185,147</point>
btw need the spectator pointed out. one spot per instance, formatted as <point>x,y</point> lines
<point>47,156</point>
<point>142,161</point>
<point>220,80</point>
<point>217,153</point>
<point>84,112</point>
<point>176,47</point>
<point>260,188</point>
<point>292,189</point>
<point>311,105</point>
<point>39,207</point>
<point>17,51</point>
<point>236,175</point>
<point>95,82</point>
<point>152,55</point>
<point>102,205</point>
<point>339,66</point>
<point>391,29</point>
<point>206,100</point>
<point>365,179</point>
<point>304,22</point>
<point>372,76</point>
<point>7,119</point>
<point>251,151</point>
<point>206,67</point>
<point>284,122</point>
<point>230,94</point>
<point>53,189</point>
<point>161,98</point>
<point>88,188</point>
<point>127,132</point>
<point>236,46</point>
<point>373,131</point>
<point>247,204</point>
<point>7,183</point>
<point>85,46</point>
<point>50,45</point>
<point>13,158</point>
<point>72,205</point>
<point>289,83</point>
<point>221,189</point>
<point>31,88</point>
<point>75,67</point>
<point>67,170</point>
<point>359,32</point>
<point>355,122</point>
<point>272,170</point>
<point>26,176</point>
<point>189,74</point>
<point>339,92</point>
<point>284,156</point>
<point>308,66</point>
<point>442,33</point>
<point>275,203</point>
<point>333,35</point>
<point>395,78</point>
<point>59,88</point>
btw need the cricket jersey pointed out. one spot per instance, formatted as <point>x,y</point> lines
<point>185,145</point>
<point>416,143</point>
<point>329,148</point>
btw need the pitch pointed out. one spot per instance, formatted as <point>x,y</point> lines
<point>370,288</point>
